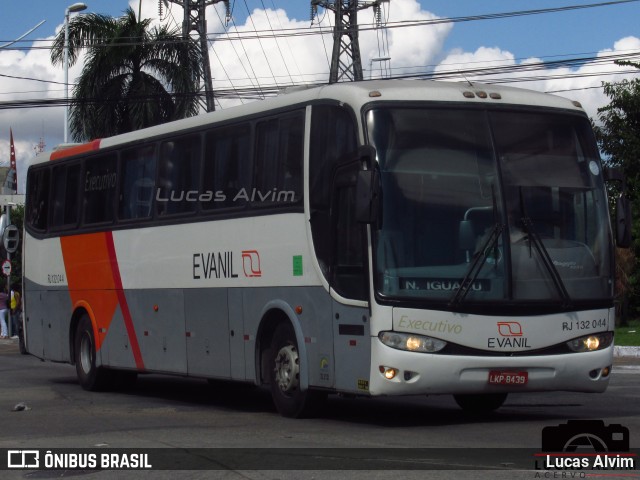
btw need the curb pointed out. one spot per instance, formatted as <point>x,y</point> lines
<point>626,352</point>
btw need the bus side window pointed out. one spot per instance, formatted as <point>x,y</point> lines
<point>137,183</point>
<point>279,152</point>
<point>226,177</point>
<point>99,189</point>
<point>333,136</point>
<point>65,196</point>
<point>38,198</point>
<point>349,266</point>
<point>178,175</point>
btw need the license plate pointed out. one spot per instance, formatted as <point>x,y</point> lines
<point>498,377</point>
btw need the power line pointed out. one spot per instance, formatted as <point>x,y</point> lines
<point>497,72</point>
<point>245,51</point>
<point>265,90</point>
<point>276,40</point>
<point>425,71</point>
<point>293,56</point>
<point>299,31</point>
<point>233,45</point>
<point>259,40</point>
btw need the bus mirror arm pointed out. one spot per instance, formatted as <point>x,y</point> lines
<point>368,193</point>
<point>623,208</point>
<point>368,189</point>
<point>367,156</point>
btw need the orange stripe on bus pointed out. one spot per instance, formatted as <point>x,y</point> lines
<point>94,279</point>
<point>75,150</point>
<point>124,306</point>
<point>88,269</point>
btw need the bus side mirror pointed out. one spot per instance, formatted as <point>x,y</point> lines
<point>368,196</point>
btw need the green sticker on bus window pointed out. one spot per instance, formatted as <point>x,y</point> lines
<point>297,265</point>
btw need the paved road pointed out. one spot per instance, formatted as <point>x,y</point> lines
<point>180,413</point>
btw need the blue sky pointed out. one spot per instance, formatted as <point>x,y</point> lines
<point>510,42</point>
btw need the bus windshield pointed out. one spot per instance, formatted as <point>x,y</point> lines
<point>489,206</point>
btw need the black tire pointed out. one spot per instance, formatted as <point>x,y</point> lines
<point>481,402</point>
<point>90,376</point>
<point>284,378</point>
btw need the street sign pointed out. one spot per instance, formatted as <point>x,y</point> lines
<point>6,268</point>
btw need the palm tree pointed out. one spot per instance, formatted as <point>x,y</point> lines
<point>134,76</point>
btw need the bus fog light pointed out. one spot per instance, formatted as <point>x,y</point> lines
<point>590,343</point>
<point>388,372</point>
<point>411,343</point>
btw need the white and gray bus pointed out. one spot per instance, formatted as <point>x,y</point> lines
<point>370,238</point>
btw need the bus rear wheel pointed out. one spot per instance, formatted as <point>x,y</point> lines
<point>284,378</point>
<point>90,376</point>
<point>481,402</point>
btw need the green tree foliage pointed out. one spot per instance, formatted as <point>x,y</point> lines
<point>134,76</point>
<point>618,134</point>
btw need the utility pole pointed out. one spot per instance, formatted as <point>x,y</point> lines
<point>195,22</point>
<point>346,63</point>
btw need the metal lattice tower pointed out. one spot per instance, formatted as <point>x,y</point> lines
<point>195,22</point>
<point>346,63</point>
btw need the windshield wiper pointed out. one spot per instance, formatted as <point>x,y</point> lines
<point>478,262</point>
<point>535,239</point>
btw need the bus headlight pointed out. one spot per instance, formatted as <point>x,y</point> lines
<point>590,343</point>
<point>411,342</point>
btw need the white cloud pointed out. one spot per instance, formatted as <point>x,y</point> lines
<point>457,61</point>
<point>30,124</point>
<point>583,83</point>
<point>306,58</point>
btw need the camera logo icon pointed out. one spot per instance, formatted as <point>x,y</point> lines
<point>585,436</point>
<point>23,459</point>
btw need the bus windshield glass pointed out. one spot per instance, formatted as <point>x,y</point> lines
<point>489,206</point>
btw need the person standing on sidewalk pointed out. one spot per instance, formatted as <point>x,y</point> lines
<point>16,310</point>
<point>4,301</point>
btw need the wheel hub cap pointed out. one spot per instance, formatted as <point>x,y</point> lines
<point>287,369</point>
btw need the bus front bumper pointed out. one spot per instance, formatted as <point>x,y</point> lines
<point>420,373</point>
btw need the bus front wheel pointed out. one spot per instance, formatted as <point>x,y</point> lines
<point>284,377</point>
<point>90,376</point>
<point>481,402</point>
